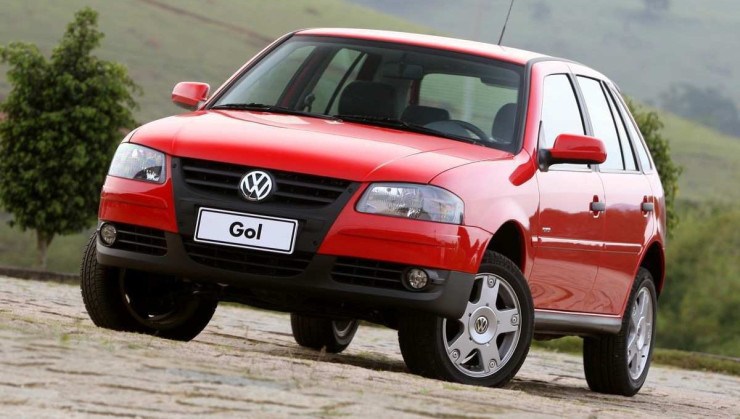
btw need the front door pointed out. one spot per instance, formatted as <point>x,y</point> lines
<point>569,234</point>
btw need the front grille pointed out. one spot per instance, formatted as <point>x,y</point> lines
<point>247,261</point>
<point>140,239</point>
<point>370,273</point>
<point>292,188</point>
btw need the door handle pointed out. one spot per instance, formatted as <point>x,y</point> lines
<point>648,206</point>
<point>598,206</point>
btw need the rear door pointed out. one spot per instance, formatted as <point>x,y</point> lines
<point>569,236</point>
<point>628,199</point>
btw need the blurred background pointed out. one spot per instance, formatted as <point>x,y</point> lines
<point>676,57</point>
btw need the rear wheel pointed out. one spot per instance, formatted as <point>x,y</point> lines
<point>133,301</point>
<point>618,364</point>
<point>488,344</point>
<point>318,332</point>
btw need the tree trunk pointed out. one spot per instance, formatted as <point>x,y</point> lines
<point>43,240</point>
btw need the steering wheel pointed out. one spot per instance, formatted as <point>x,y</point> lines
<point>467,126</point>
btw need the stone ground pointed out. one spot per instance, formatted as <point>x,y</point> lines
<point>54,362</point>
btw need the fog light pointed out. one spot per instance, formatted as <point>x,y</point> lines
<point>108,234</point>
<point>416,279</point>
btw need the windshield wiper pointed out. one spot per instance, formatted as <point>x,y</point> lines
<point>268,108</point>
<point>403,125</point>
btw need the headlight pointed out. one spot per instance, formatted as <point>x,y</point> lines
<point>421,202</point>
<point>133,161</point>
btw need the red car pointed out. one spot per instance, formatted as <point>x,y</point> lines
<point>469,195</point>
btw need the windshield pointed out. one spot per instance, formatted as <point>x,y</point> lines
<point>453,95</point>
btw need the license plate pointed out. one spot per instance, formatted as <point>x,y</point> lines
<point>250,231</point>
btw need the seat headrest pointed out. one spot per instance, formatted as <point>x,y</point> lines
<point>503,123</point>
<point>368,98</point>
<point>422,115</point>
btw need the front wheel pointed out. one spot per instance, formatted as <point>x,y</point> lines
<point>488,344</point>
<point>618,364</point>
<point>134,301</point>
<point>318,332</point>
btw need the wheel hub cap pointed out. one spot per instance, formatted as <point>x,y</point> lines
<point>639,338</point>
<point>482,325</point>
<point>483,340</point>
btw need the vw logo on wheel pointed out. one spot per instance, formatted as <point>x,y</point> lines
<point>256,185</point>
<point>481,325</point>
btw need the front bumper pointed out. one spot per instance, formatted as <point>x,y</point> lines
<point>341,256</point>
<point>324,277</point>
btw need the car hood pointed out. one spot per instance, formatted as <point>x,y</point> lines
<point>314,146</point>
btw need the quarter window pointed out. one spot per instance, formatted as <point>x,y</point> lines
<point>602,122</point>
<point>642,153</point>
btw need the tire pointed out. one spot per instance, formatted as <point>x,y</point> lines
<point>619,364</point>
<point>488,344</point>
<point>133,301</point>
<point>317,333</point>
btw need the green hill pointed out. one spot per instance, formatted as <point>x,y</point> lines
<point>164,42</point>
<point>692,41</point>
<point>710,160</point>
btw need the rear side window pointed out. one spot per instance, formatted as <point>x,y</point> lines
<point>602,122</point>
<point>619,119</point>
<point>560,112</point>
<point>642,153</point>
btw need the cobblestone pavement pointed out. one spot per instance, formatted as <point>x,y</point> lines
<point>54,362</point>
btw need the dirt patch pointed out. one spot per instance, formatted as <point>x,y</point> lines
<point>54,361</point>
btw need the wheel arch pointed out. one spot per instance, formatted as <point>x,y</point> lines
<point>654,261</point>
<point>509,241</point>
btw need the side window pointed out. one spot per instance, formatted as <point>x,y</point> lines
<point>560,113</point>
<point>642,153</point>
<point>619,119</point>
<point>342,69</point>
<point>602,122</point>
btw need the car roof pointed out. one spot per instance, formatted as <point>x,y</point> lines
<point>503,53</point>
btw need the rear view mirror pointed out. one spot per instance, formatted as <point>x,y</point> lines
<point>575,149</point>
<point>188,94</point>
<point>398,70</point>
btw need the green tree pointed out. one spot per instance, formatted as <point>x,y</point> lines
<point>64,117</point>
<point>651,126</point>
<point>698,307</point>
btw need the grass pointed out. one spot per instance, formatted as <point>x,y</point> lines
<point>164,42</point>
<point>221,35</point>
<point>644,53</point>
<point>710,160</point>
<point>666,357</point>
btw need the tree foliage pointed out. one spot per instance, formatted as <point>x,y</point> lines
<point>64,117</point>
<point>698,307</point>
<point>651,126</point>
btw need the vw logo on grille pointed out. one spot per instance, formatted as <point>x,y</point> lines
<point>256,185</point>
<point>481,325</point>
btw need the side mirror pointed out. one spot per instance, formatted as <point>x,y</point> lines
<point>572,148</point>
<point>188,94</point>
